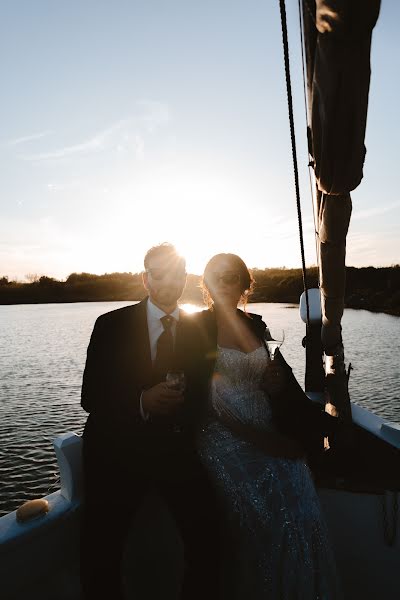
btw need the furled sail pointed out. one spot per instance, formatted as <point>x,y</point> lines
<point>337,36</point>
<point>337,40</point>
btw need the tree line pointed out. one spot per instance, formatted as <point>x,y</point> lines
<point>370,288</point>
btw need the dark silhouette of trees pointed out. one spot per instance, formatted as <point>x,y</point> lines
<point>375,289</point>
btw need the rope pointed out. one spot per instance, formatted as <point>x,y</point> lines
<point>294,153</point>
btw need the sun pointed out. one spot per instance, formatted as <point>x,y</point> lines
<point>191,308</point>
<point>201,212</point>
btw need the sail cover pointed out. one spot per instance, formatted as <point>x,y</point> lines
<point>337,38</point>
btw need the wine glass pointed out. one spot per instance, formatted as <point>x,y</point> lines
<point>274,341</point>
<point>176,380</point>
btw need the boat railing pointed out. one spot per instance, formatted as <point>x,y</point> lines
<point>36,549</point>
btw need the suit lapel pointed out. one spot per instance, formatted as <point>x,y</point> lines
<point>137,343</point>
<point>181,342</point>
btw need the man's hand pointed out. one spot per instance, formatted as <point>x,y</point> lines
<point>161,400</point>
<point>275,378</point>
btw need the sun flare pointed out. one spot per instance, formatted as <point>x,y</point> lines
<point>201,215</point>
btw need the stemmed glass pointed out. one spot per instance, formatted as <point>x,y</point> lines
<point>176,380</point>
<point>274,341</point>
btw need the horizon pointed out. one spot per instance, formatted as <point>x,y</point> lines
<point>111,144</point>
<point>34,277</point>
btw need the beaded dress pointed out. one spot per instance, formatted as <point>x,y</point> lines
<point>277,545</point>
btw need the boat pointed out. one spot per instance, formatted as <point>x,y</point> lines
<point>39,558</point>
<point>358,486</point>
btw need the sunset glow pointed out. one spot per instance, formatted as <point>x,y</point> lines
<point>170,142</point>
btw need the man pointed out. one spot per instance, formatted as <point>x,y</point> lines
<point>139,436</point>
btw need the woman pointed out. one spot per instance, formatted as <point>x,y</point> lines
<point>278,547</point>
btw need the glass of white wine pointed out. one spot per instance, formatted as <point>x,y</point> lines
<point>176,380</point>
<point>274,341</point>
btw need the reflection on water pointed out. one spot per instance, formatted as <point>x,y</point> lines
<point>42,356</point>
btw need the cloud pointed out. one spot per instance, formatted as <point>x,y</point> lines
<point>375,211</point>
<point>96,143</point>
<point>124,135</point>
<point>372,248</point>
<point>28,138</point>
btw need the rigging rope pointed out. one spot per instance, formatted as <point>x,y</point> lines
<point>294,153</point>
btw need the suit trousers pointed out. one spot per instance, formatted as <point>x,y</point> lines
<point>112,501</point>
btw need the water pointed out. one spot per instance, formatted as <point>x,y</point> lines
<point>42,357</point>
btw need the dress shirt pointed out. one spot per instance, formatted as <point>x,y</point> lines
<point>155,327</point>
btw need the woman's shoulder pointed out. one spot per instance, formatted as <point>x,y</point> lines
<point>254,317</point>
<point>255,321</point>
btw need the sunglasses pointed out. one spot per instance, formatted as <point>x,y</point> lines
<point>159,274</point>
<point>227,277</point>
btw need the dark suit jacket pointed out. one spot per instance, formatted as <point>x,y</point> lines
<point>118,368</point>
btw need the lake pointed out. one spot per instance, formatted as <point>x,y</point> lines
<point>42,357</point>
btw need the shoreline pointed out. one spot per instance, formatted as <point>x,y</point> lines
<point>363,306</point>
<point>367,288</point>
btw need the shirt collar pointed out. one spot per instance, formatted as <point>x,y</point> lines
<point>156,313</point>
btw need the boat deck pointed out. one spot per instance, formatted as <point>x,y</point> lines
<point>39,560</point>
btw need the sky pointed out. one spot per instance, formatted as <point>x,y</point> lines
<point>129,123</point>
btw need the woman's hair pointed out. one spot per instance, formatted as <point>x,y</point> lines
<point>239,266</point>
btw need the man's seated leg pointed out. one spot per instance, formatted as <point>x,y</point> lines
<point>194,507</point>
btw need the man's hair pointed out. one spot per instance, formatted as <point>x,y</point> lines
<point>166,251</point>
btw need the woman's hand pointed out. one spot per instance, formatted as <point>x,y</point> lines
<point>275,378</point>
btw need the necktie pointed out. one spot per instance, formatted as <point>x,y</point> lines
<point>165,349</point>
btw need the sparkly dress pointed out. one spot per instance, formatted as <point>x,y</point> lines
<point>277,545</point>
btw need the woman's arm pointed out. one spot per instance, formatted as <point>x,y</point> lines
<point>294,412</point>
